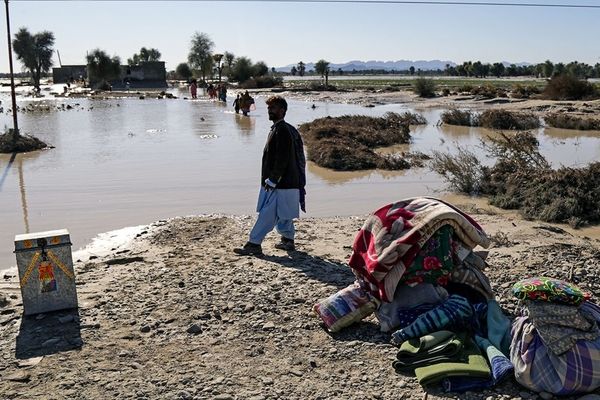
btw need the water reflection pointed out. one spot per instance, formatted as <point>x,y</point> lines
<point>23,194</point>
<point>246,124</point>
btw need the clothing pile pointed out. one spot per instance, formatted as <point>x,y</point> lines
<point>416,269</point>
<point>417,272</point>
<point>556,341</point>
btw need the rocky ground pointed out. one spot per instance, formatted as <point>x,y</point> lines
<point>175,314</point>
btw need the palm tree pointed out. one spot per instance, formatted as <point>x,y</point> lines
<point>301,68</point>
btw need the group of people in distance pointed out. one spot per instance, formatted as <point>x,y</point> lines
<point>242,102</point>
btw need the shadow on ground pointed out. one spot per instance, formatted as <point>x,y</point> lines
<point>48,333</point>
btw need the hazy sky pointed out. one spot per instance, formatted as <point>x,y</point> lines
<point>281,33</point>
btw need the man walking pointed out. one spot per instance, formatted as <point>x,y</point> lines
<point>282,183</point>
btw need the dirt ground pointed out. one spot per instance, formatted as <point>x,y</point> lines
<point>174,314</point>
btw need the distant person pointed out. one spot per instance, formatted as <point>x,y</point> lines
<point>194,89</point>
<point>236,104</point>
<point>246,103</point>
<point>283,178</point>
<point>223,93</point>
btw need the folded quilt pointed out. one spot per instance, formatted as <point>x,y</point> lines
<point>436,347</point>
<point>472,365</point>
<point>392,236</point>
<point>456,312</point>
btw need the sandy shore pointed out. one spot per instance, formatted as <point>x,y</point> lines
<point>173,313</point>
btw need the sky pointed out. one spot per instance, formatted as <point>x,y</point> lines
<point>283,33</point>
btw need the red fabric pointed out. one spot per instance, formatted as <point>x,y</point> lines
<point>393,235</point>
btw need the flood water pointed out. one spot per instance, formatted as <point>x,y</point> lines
<point>124,162</point>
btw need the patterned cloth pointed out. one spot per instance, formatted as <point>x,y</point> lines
<point>561,326</point>
<point>549,289</point>
<point>392,237</point>
<point>455,313</point>
<point>345,307</point>
<point>434,262</point>
<point>538,369</point>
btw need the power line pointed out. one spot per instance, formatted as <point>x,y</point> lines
<point>406,2</point>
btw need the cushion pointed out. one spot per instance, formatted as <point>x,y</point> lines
<point>549,289</point>
<point>345,307</point>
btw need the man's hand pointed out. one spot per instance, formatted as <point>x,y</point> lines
<point>269,185</point>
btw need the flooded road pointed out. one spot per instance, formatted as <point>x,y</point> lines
<point>124,162</point>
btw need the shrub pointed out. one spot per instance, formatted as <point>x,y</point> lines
<point>524,92</point>
<point>566,121</point>
<point>503,119</point>
<point>347,142</point>
<point>424,87</point>
<point>458,117</point>
<point>488,91</point>
<point>522,179</point>
<point>567,87</point>
<point>462,171</point>
<point>262,82</point>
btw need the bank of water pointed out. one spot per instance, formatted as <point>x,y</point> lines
<point>126,162</point>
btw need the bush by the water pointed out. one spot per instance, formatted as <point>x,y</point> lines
<point>524,91</point>
<point>458,117</point>
<point>424,87</point>
<point>488,91</point>
<point>22,145</point>
<point>566,121</point>
<point>262,82</point>
<point>567,87</point>
<point>522,179</point>
<point>493,119</point>
<point>503,119</point>
<point>346,143</point>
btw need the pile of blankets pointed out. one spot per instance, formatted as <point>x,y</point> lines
<point>417,271</point>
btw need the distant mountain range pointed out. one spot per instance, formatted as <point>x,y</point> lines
<point>400,65</point>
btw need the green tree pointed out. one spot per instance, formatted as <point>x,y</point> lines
<point>200,55</point>
<point>102,68</point>
<point>260,69</point>
<point>301,68</point>
<point>322,68</point>
<point>144,55</point>
<point>497,69</point>
<point>228,58</point>
<point>412,70</point>
<point>242,69</point>
<point>293,71</point>
<point>183,71</point>
<point>548,69</point>
<point>34,52</point>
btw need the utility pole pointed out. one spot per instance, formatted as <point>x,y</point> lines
<point>12,80</point>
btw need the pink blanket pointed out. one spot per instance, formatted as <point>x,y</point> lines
<point>391,237</point>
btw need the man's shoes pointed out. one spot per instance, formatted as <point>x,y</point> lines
<point>286,244</point>
<point>249,249</point>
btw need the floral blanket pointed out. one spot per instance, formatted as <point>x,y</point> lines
<point>392,237</point>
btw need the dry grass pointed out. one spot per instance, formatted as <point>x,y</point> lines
<point>566,121</point>
<point>346,143</point>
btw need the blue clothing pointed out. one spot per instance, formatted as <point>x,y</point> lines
<point>276,208</point>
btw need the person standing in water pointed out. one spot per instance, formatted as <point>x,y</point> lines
<point>283,177</point>
<point>194,89</point>
<point>236,104</point>
<point>246,102</point>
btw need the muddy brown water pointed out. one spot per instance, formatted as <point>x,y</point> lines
<point>125,162</point>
